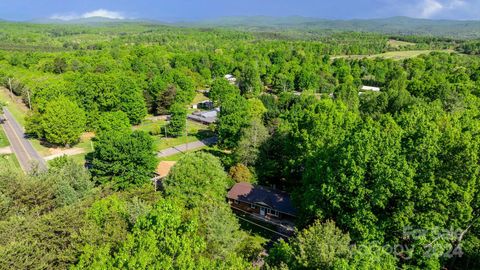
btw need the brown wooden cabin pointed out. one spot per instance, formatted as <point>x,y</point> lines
<point>261,201</point>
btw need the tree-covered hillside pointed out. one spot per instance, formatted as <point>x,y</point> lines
<point>381,179</point>
<point>463,29</point>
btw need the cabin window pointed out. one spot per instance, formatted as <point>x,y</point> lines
<point>272,212</point>
<point>235,202</point>
<point>252,206</point>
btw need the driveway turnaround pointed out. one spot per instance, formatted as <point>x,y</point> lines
<point>23,149</point>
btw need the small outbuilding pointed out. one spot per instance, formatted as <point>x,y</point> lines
<point>206,104</point>
<point>370,88</point>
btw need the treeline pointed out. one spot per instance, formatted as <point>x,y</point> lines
<point>471,47</point>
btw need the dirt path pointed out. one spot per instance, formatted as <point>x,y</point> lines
<point>66,152</point>
<point>6,150</point>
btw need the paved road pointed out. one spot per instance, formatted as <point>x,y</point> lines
<point>26,154</point>
<point>186,147</point>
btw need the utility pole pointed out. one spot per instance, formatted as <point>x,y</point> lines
<point>186,135</point>
<point>29,101</point>
<point>10,87</point>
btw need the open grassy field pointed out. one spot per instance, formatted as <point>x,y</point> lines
<point>397,55</point>
<point>398,43</point>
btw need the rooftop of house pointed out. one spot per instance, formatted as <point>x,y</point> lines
<point>274,199</point>
<point>212,113</point>
<point>206,117</point>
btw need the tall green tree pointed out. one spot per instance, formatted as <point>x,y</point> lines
<point>178,120</point>
<point>234,116</point>
<point>249,82</point>
<point>317,247</point>
<point>250,142</point>
<point>112,121</point>
<point>63,122</point>
<point>197,178</point>
<point>348,94</point>
<point>123,159</point>
<point>324,246</point>
<point>165,100</point>
<point>60,65</point>
<point>221,90</point>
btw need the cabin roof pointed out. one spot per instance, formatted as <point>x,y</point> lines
<point>275,199</point>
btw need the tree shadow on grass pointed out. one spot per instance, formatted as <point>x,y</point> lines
<point>204,134</point>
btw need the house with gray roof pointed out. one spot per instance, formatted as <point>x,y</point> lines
<point>261,201</point>
<point>207,117</point>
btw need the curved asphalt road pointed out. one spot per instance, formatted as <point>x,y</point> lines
<point>26,154</point>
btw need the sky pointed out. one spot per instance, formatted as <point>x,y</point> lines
<point>175,10</point>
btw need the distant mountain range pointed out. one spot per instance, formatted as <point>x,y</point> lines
<point>91,20</point>
<point>392,26</point>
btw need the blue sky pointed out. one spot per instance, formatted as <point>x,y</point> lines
<point>202,9</point>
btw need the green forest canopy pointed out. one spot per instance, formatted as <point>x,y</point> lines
<point>365,169</point>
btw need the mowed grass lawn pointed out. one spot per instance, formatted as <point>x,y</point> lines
<point>14,105</point>
<point>178,156</point>
<point>196,131</point>
<point>9,161</point>
<point>199,97</point>
<point>3,139</point>
<point>214,150</point>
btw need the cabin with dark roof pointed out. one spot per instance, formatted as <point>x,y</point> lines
<point>267,203</point>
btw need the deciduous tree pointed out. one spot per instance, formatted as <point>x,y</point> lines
<point>63,122</point>
<point>123,159</point>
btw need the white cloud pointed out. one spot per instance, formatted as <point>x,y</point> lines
<point>104,14</point>
<point>430,8</point>
<point>95,13</point>
<point>439,8</point>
